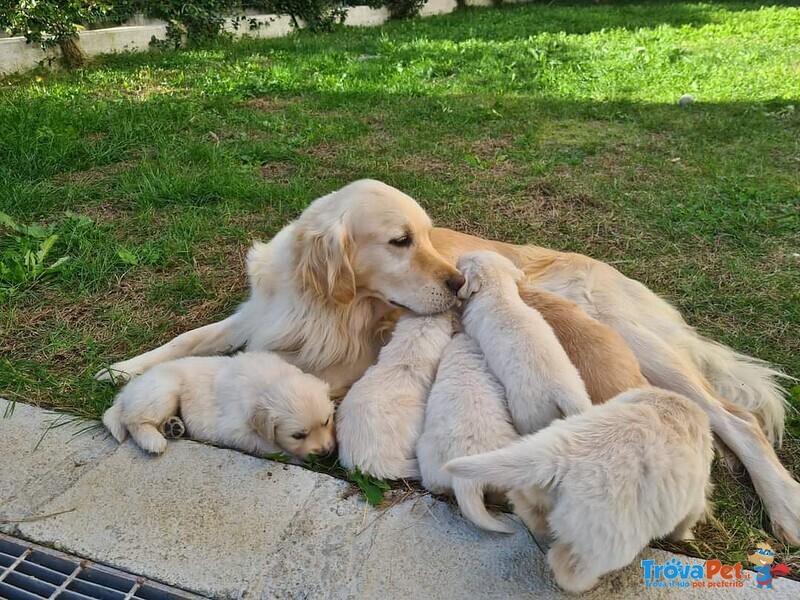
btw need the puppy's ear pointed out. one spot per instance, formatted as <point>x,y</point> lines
<point>472,279</point>
<point>263,422</point>
<point>324,262</point>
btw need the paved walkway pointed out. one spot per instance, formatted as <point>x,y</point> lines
<point>227,525</point>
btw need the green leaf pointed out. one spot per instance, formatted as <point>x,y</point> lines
<point>7,221</point>
<point>45,247</point>
<point>56,265</point>
<point>371,488</point>
<point>127,256</point>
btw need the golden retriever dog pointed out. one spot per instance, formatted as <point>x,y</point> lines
<point>466,414</point>
<point>254,401</point>
<point>322,292</point>
<point>380,419</point>
<point>603,359</point>
<point>521,349</point>
<point>606,482</point>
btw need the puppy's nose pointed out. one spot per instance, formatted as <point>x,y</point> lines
<point>455,283</point>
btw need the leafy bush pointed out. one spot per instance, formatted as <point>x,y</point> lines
<point>318,15</point>
<point>25,255</point>
<point>50,23</point>
<point>403,9</point>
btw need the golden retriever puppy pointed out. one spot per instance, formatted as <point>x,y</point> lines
<point>522,351</point>
<point>255,402</point>
<point>606,482</point>
<point>380,419</point>
<point>466,414</point>
<point>605,363</point>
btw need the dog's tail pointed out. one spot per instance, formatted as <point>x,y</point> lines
<point>530,462</point>
<point>743,380</point>
<point>469,495</point>
<point>112,419</point>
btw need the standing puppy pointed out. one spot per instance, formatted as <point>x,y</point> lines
<point>606,482</point>
<point>380,419</point>
<point>521,348</point>
<point>605,362</point>
<point>466,414</point>
<point>254,401</point>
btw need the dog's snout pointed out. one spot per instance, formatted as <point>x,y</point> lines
<point>455,283</point>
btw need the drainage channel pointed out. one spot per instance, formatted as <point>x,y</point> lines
<point>32,572</point>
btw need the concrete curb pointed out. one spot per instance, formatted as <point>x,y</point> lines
<point>227,525</point>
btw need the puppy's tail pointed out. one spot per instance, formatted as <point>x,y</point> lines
<point>112,419</point>
<point>530,462</point>
<point>469,495</point>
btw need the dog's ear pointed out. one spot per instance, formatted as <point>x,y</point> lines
<point>472,279</point>
<point>264,423</point>
<point>324,262</point>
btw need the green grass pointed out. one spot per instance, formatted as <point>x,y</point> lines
<point>552,124</point>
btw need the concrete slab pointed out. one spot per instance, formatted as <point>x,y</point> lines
<point>199,517</point>
<point>31,476</point>
<point>228,525</point>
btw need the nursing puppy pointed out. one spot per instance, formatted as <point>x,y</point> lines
<point>521,348</point>
<point>380,419</point>
<point>466,414</point>
<point>606,482</point>
<point>606,364</point>
<point>255,402</point>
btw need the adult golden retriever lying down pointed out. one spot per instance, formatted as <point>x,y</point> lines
<point>324,290</point>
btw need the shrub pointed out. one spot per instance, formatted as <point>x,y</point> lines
<point>404,9</point>
<point>51,23</point>
<point>318,15</point>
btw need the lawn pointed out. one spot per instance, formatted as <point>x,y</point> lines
<point>552,124</point>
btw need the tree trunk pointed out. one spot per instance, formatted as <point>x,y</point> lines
<point>72,53</point>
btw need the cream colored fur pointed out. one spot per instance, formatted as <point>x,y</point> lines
<point>522,350</point>
<point>255,402</point>
<point>337,341</point>
<point>466,414</point>
<point>380,419</point>
<point>606,482</point>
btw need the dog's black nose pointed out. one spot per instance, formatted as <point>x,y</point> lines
<point>455,283</point>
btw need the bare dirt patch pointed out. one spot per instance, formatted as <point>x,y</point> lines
<point>93,175</point>
<point>277,172</point>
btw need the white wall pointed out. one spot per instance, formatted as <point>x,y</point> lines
<point>17,55</point>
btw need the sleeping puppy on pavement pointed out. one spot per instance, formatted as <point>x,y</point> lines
<point>522,350</point>
<point>380,419</point>
<point>255,402</point>
<point>606,482</point>
<point>605,362</point>
<point>466,414</point>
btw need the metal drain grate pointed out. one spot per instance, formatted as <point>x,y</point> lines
<point>31,572</point>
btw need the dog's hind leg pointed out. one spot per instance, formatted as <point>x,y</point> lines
<point>572,574</point>
<point>216,338</point>
<point>148,437</point>
<point>738,429</point>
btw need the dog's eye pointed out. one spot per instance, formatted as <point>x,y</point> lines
<point>404,241</point>
<point>328,420</point>
<point>300,436</point>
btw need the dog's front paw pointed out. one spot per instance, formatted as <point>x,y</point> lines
<point>173,428</point>
<point>785,513</point>
<point>118,373</point>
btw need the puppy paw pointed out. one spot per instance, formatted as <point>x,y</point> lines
<point>118,373</point>
<point>784,510</point>
<point>173,428</point>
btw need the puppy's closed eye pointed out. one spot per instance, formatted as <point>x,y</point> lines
<point>300,435</point>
